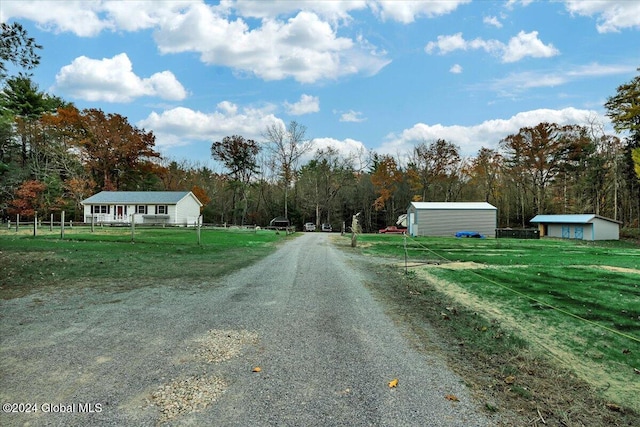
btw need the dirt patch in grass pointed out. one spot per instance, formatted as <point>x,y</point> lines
<point>469,265</point>
<point>508,367</point>
<point>618,269</point>
<point>454,265</point>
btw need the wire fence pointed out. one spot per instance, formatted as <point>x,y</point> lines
<point>509,289</point>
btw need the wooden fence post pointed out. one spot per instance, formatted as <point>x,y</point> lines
<point>92,222</point>
<point>198,229</point>
<point>17,222</point>
<point>133,227</point>
<point>35,223</point>
<point>62,225</point>
<point>51,223</point>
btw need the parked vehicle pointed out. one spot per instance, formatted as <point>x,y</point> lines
<point>326,227</point>
<point>309,226</point>
<point>392,229</point>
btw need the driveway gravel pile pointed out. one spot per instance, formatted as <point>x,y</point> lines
<point>177,353</point>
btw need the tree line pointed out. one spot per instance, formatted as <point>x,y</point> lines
<point>53,155</point>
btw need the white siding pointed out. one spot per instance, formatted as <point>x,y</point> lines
<point>186,212</point>
<point>598,229</point>
<point>605,230</point>
<point>446,222</point>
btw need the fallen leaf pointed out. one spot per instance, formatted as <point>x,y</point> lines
<point>636,370</point>
<point>452,398</point>
<point>613,407</point>
<point>257,369</point>
<point>393,383</point>
<point>510,379</point>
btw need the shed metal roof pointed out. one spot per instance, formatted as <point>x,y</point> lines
<point>568,219</point>
<point>454,205</point>
<point>137,197</point>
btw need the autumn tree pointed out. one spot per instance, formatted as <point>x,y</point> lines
<point>239,157</point>
<point>29,199</point>
<point>485,170</point>
<point>321,182</point>
<point>536,155</point>
<point>205,184</point>
<point>287,146</point>
<point>434,171</point>
<point>386,177</point>
<point>117,155</point>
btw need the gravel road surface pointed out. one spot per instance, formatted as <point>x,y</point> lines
<point>189,354</point>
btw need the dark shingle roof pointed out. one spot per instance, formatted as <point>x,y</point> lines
<point>136,197</point>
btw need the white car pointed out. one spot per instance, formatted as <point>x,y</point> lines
<point>309,226</point>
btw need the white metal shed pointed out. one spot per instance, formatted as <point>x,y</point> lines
<point>447,218</point>
<point>580,226</point>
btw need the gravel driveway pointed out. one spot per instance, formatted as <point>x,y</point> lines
<point>177,354</point>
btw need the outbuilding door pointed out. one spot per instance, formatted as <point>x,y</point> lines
<point>566,232</point>
<point>578,232</point>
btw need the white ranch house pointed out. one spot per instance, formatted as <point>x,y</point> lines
<point>143,207</point>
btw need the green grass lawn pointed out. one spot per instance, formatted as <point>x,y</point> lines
<point>108,257</point>
<point>577,301</point>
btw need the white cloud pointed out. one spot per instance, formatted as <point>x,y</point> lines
<point>519,82</point>
<point>492,20</point>
<point>352,116</point>
<point>456,69</point>
<point>406,11</point>
<point>612,15</point>
<point>134,15</point>
<point>511,3</point>
<point>304,47</point>
<point>79,17</point>
<point>89,18</point>
<point>519,47</point>
<point>527,44</point>
<point>307,104</point>
<point>447,44</point>
<point>332,10</point>
<point>113,80</point>
<point>182,126</point>
<point>486,134</point>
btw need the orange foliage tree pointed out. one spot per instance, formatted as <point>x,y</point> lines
<point>28,199</point>
<point>385,178</point>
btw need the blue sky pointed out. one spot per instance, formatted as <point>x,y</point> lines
<point>361,75</point>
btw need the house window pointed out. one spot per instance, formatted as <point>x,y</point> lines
<point>141,209</point>
<point>100,209</point>
<point>162,209</point>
